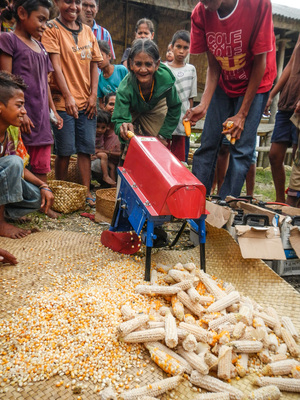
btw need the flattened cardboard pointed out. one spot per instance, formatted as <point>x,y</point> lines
<point>218,215</point>
<point>264,243</point>
<point>295,239</point>
<point>252,209</point>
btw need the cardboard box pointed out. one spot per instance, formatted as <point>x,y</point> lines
<point>286,267</point>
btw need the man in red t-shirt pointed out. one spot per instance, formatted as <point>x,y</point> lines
<point>238,38</point>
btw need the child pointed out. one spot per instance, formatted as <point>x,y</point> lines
<point>169,54</point>
<point>74,53</point>
<point>186,85</point>
<point>24,56</point>
<point>147,96</point>
<point>110,75</point>
<point>21,192</point>
<point>109,102</point>
<point>107,148</point>
<point>144,29</point>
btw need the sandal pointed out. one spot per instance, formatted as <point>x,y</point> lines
<point>91,202</point>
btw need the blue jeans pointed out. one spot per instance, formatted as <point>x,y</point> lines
<point>18,196</point>
<point>241,153</point>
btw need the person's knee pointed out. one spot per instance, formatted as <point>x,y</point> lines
<point>276,155</point>
<point>15,163</point>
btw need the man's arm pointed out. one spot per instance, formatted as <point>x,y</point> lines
<point>91,103</point>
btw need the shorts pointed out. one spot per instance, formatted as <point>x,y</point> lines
<point>284,130</point>
<point>40,157</point>
<point>76,135</point>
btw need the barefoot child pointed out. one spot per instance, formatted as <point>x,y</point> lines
<point>21,192</point>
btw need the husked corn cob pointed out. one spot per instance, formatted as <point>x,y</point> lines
<point>189,319</point>
<point>245,314</point>
<point>228,318</point>
<point>278,357</point>
<point>163,268</point>
<point>226,327</point>
<point>234,308</point>
<point>284,384</point>
<point>296,371</point>
<point>108,394</point>
<point>224,362</point>
<point>270,392</point>
<point>254,334</point>
<point>242,365</point>
<point>169,280</point>
<point>148,398</point>
<point>186,366</point>
<point>212,384</point>
<point>268,320</point>
<point>238,330</point>
<point>246,346</point>
<point>182,334</point>
<point>154,389</point>
<point>282,349</point>
<point>154,277</point>
<point>127,312</point>
<point>190,343</point>
<point>148,335</point>
<point>229,288</point>
<point>155,324</point>
<point>179,276</point>
<point>177,307</point>
<point>197,362</point>
<point>195,308</point>
<point>132,324</point>
<point>289,326</point>
<point>280,367</point>
<point>200,334</point>
<point>211,360</point>
<point>189,266</point>
<point>178,266</point>
<point>273,342</point>
<point>273,313</point>
<point>264,356</point>
<point>194,295</point>
<point>211,285</point>
<point>292,346</point>
<point>171,337</point>
<point>205,300</point>
<point>166,362</point>
<point>185,284</point>
<point>156,289</point>
<point>213,396</point>
<point>224,302</point>
<point>164,310</point>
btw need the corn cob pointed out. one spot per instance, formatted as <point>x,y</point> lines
<point>154,277</point>
<point>179,276</point>
<point>273,313</point>
<point>224,302</point>
<point>197,362</point>
<point>245,314</point>
<point>226,327</point>
<point>213,396</point>
<point>268,320</point>
<point>166,362</point>
<point>200,334</point>
<point>270,392</point>
<point>163,268</point>
<point>224,362</point>
<point>212,384</point>
<point>282,349</point>
<point>290,342</point>
<point>149,335</point>
<point>223,337</point>
<point>189,319</point>
<point>156,289</point>
<point>108,394</point>
<point>211,285</point>
<point>273,342</point>
<point>189,266</point>
<point>254,334</point>
<point>155,389</point>
<point>296,371</point>
<point>169,280</point>
<point>264,356</point>
<point>205,300</point>
<point>179,267</point>
<point>185,284</point>
<point>278,357</point>
<point>234,308</point>
<point>289,326</point>
<point>178,308</point>
<point>194,295</point>
<point>238,330</point>
<point>186,366</point>
<point>155,324</point>
<point>280,367</point>
<point>127,312</point>
<point>242,365</point>
<point>284,384</point>
<point>195,308</point>
<point>148,398</point>
<point>182,333</point>
<point>190,343</point>
<point>246,346</point>
<point>229,287</point>
<point>202,347</point>
<point>228,318</point>
<point>211,360</point>
<point>132,324</point>
<point>164,310</point>
<point>171,337</point>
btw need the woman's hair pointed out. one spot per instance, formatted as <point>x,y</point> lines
<point>103,117</point>
<point>143,46</point>
<point>145,21</point>
<point>29,5</point>
<point>104,46</point>
<point>183,35</point>
<point>9,83</point>
<point>107,97</point>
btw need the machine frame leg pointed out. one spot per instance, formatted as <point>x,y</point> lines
<point>202,240</point>
<point>148,264</point>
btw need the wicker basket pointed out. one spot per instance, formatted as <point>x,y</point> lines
<point>68,196</point>
<point>105,204</point>
<point>73,172</point>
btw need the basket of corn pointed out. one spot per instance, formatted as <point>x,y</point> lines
<point>105,204</point>
<point>68,196</point>
<point>73,172</point>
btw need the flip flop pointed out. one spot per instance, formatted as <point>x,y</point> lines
<point>121,242</point>
<point>91,201</point>
<point>88,215</point>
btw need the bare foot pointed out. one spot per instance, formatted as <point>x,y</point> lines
<point>108,180</point>
<point>7,257</point>
<point>52,214</point>
<point>13,232</point>
<point>293,201</point>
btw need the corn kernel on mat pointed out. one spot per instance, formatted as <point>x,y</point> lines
<point>57,282</point>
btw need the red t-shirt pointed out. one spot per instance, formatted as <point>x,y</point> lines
<point>234,41</point>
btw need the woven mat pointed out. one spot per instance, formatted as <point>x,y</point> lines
<point>42,252</point>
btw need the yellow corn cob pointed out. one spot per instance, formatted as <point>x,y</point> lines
<point>296,371</point>
<point>212,384</point>
<point>197,362</point>
<point>211,360</point>
<point>190,343</point>
<point>238,330</point>
<point>211,285</point>
<point>194,295</point>
<point>171,337</point>
<point>130,134</point>
<point>177,307</point>
<point>166,362</point>
<point>154,278</point>
<point>132,324</point>
<point>155,389</point>
<point>212,396</point>
<point>200,334</point>
<point>185,284</point>
<point>186,366</point>
<point>290,342</point>
<point>280,367</point>
<point>148,335</point>
<point>179,276</point>
<point>245,314</point>
<point>156,289</point>
<point>273,313</point>
<point>273,342</point>
<point>246,346</point>
<point>284,384</point>
<point>195,308</point>
<point>228,318</point>
<point>270,392</point>
<point>189,267</point>
<point>127,312</point>
<point>224,302</point>
<point>289,326</point>
<point>224,362</point>
<point>108,394</point>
